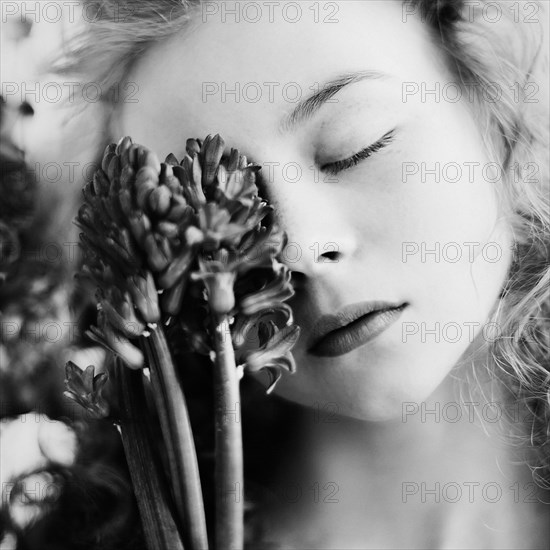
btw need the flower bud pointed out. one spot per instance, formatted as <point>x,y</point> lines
<point>168,229</point>
<point>101,183</point>
<point>146,182</point>
<point>108,154</point>
<point>219,287</point>
<point>178,268</point>
<point>192,147</point>
<point>140,225</point>
<point>171,299</point>
<point>211,156</point>
<point>123,148</point>
<point>171,160</point>
<point>113,170</point>
<point>145,297</point>
<point>158,251</point>
<point>127,177</point>
<point>159,200</point>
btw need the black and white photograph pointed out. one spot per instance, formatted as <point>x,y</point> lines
<point>274,275</point>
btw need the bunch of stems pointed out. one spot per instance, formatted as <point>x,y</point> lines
<point>163,241</point>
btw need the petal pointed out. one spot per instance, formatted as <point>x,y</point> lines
<point>172,298</point>
<point>259,249</point>
<point>275,349</point>
<point>171,160</point>
<point>178,268</point>
<point>275,291</point>
<point>245,323</point>
<point>212,153</point>
<point>74,380</point>
<point>193,147</point>
<point>168,229</point>
<point>99,381</point>
<point>131,328</point>
<point>108,155</point>
<point>88,378</point>
<point>145,296</point>
<point>159,200</point>
<point>274,375</point>
<point>113,171</point>
<point>158,254</point>
<point>122,149</point>
<point>233,160</point>
<point>121,346</point>
<point>146,182</point>
<point>127,178</point>
<point>223,177</point>
<point>196,180</point>
<point>219,288</point>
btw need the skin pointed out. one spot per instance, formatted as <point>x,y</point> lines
<point>369,212</point>
<point>372,212</point>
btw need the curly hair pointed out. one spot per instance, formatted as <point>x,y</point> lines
<point>511,55</point>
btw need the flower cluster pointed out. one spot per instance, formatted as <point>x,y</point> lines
<point>164,241</point>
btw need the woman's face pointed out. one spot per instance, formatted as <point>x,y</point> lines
<point>414,223</point>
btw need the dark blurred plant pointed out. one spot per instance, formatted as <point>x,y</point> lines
<point>188,243</point>
<point>86,388</point>
<point>34,293</point>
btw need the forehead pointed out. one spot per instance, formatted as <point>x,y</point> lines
<point>226,73</point>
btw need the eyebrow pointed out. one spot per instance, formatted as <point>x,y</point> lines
<point>308,107</point>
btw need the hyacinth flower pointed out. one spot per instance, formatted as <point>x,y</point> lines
<point>118,219</point>
<point>86,388</point>
<point>163,242</point>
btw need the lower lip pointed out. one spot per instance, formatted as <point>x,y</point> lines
<point>356,334</point>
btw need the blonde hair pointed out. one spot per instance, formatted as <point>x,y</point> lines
<point>511,55</point>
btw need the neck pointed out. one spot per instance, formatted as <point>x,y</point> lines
<point>424,478</point>
<point>428,439</point>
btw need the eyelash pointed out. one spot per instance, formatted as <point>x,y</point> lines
<point>334,168</point>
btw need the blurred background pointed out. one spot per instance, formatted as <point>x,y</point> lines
<point>48,149</point>
<point>33,36</point>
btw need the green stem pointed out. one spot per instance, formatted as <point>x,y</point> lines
<point>149,485</point>
<point>178,438</point>
<point>229,448</point>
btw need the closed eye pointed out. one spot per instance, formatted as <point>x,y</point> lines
<point>341,165</point>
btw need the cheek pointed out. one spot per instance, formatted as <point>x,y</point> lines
<point>435,219</point>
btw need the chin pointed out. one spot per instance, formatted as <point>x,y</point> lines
<point>385,407</point>
<point>366,397</point>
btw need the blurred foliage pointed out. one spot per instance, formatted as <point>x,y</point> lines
<point>34,312</point>
<point>43,313</point>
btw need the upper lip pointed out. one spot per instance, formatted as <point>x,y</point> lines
<point>343,317</point>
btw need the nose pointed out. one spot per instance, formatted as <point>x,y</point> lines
<point>319,227</point>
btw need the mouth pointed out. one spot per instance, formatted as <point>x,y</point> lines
<point>351,327</point>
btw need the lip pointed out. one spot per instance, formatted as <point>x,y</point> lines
<point>351,327</point>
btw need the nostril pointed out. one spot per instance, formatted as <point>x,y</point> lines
<point>298,279</point>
